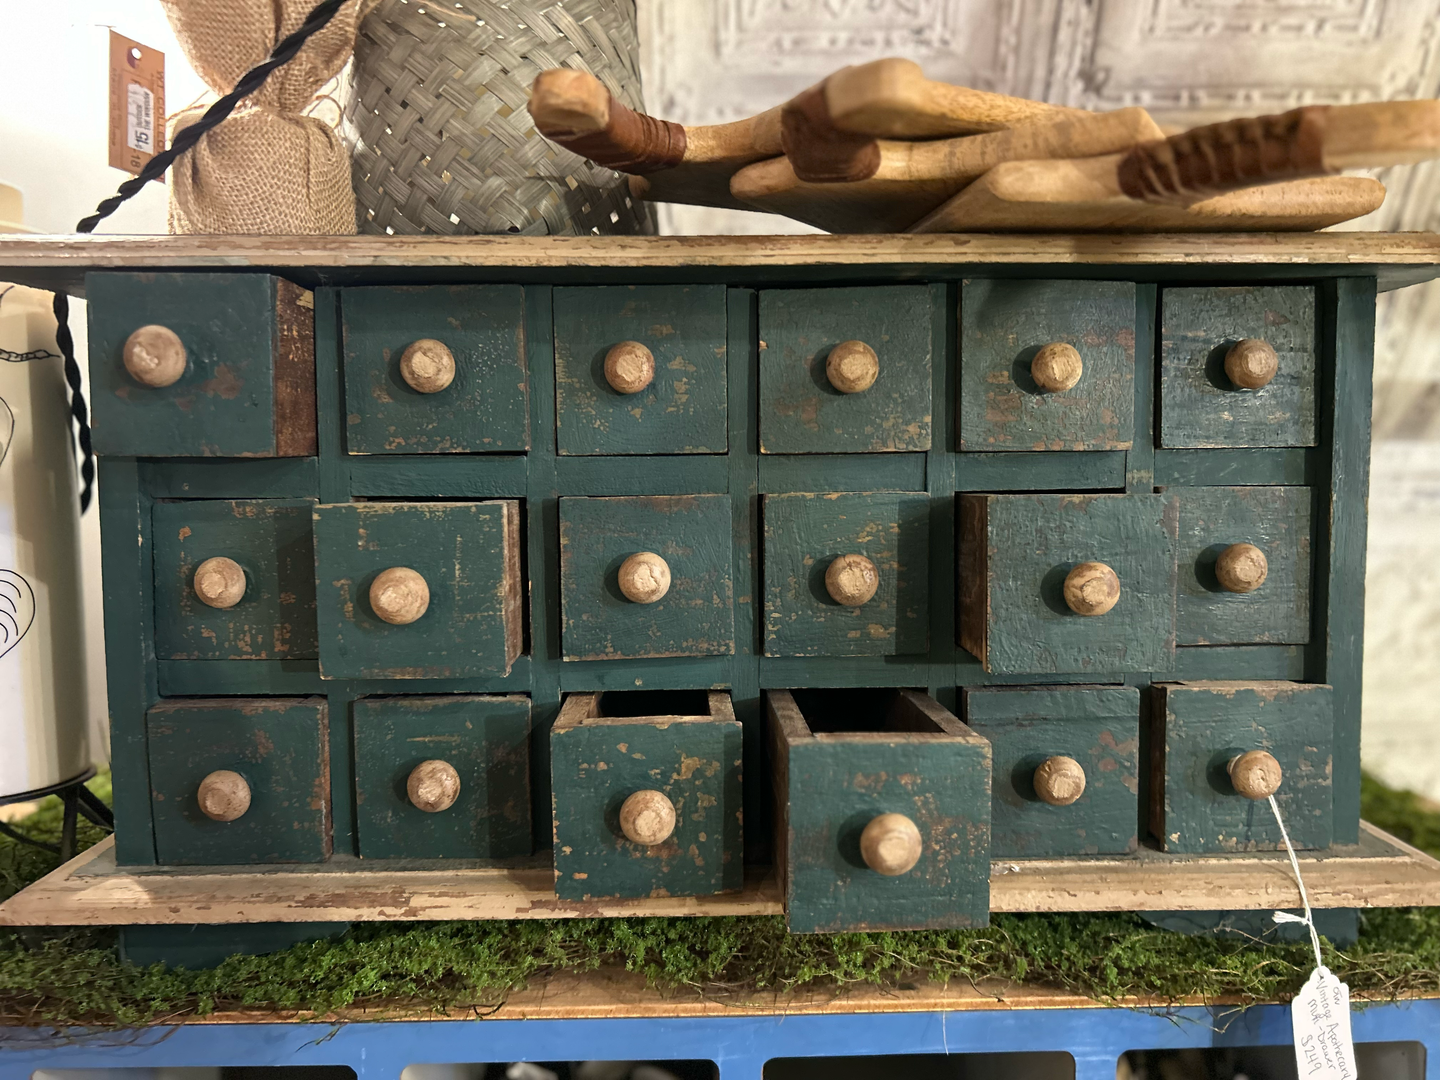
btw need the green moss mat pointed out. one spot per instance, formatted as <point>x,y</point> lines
<point>404,969</point>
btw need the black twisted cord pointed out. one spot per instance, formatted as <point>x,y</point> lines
<point>319,17</point>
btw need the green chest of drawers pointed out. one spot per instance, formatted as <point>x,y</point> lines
<point>869,560</point>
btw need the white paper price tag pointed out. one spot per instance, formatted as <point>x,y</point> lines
<point>1320,1018</point>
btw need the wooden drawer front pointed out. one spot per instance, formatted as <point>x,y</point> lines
<point>801,409</point>
<point>1043,740</point>
<point>1276,520</point>
<point>1201,727</point>
<point>806,534</point>
<point>268,757</point>
<point>1016,552</point>
<point>695,615</point>
<point>409,753</point>
<point>1199,404</point>
<point>469,557</point>
<point>847,763</point>
<point>680,409</point>
<point>608,760</point>
<point>1004,325</point>
<point>269,540</point>
<point>484,408</point>
<point>247,346</point>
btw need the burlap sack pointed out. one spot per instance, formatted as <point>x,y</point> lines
<point>268,168</point>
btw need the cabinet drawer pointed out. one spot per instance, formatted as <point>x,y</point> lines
<point>646,795</point>
<point>1200,404</point>
<point>1047,365</point>
<point>1026,559</point>
<point>882,810</point>
<point>239,780</point>
<point>234,580</point>
<point>640,369</point>
<point>1066,768</point>
<point>1219,527</point>
<point>825,553</point>
<point>646,576</point>
<point>1206,798</point>
<point>418,590</point>
<point>442,777</point>
<point>223,365</point>
<point>438,369</point>
<point>845,370</point>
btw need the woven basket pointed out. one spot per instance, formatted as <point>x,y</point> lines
<point>442,141</point>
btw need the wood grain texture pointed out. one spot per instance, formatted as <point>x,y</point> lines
<point>487,742</point>
<point>805,533</point>
<point>1199,406</point>
<point>278,745</point>
<point>483,410</point>
<point>270,540</point>
<point>295,418</point>
<point>692,533</point>
<point>468,554</point>
<point>1004,324</point>
<point>1099,727</point>
<point>682,411</point>
<point>802,413</point>
<point>1199,727</point>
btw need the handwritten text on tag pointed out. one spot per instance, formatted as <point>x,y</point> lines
<point>1320,1018</point>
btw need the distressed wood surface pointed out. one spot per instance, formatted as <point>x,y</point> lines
<point>682,411</point>
<point>599,760</point>
<point>1015,552</point>
<point>692,533</point>
<point>486,740</point>
<point>1099,727</point>
<point>1274,519</point>
<point>1004,324</point>
<point>802,413</point>
<point>270,539</point>
<point>1199,727</point>
<point>469,556</point>
<point>1199,406</point>
<point>279,745</point>
<point>804,533</point>
<point>484,410</point>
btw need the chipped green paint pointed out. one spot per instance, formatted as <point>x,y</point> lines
<point>1199,406</point>
<point>484,410</point>
<point>1199,727</point>
<point>279,745</point>
<point>1003,324</point>
<point>1274,519</point>
<point>487,742</point>
<point>682,411</point>
<point>1098,726</point>
<point>695,617</point>
<point>270,539</point>
<point>804,533</point>
<point>801,413</point>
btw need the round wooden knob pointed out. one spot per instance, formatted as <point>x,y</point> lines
<point>223,795</point>
<point>1091,589</point>
<point>399,595</point>
<point>219,582</point>
<point>1059,780</point>
<point>154,356</point>
<point>1251,363</point>
<point>433,786</point>
<point>891,844</point>
<point>1057,367</point>
<point>427,366</point>
<point>1242,568</point>
<point>851,580</point>
<point>1255,774</point>
<point>629,367</point>
<point>852,366</point>
<point>644,577</point>
<point>647,817</point>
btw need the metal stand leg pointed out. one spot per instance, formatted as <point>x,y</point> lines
<point>71,801</point>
